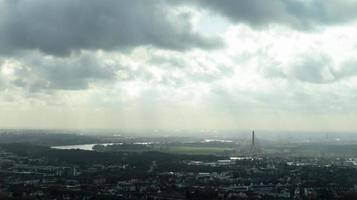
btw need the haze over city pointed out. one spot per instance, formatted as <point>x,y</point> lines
<point>192,65</point>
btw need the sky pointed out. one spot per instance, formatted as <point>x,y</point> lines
<point>179,64</point>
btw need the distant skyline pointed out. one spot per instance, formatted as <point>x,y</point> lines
<point>191,65</point>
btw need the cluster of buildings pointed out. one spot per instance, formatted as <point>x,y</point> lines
<point>23,177</point>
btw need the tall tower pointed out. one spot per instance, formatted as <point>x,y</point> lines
<point>250,147</point>
<point>253,139</point>
<point>253,147</point>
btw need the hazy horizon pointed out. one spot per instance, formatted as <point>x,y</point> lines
<point>178,65</point>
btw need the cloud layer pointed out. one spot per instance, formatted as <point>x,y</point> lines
<point>205,64</point>
<point>299,14</point>
<point>59,27</point>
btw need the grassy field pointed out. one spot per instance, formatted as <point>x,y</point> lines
<point>197,150</point>
<point>193,149</point>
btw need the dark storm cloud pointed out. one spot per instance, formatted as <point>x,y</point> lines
<point>299,14</point>
<point>59,27</point>
<point>39,73</point>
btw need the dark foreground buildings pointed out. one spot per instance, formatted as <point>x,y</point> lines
<point>75,174</point>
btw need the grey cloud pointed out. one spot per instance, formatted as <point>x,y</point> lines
<point>315,69</point>
<point>299,14</point>
<point>70,73</point>
<point>292,97</point>
<point>176,70</point>
<point>169,61</point>
<point>60,27</point>
<point>348,69</point>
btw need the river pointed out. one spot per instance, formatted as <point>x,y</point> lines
<point>88,147</point>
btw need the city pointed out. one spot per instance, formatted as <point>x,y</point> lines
<point>150,170</point>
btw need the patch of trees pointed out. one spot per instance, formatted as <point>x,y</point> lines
<point>82,157</point>
<point>46,138</point>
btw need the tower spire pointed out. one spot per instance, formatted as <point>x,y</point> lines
<point>253,147</point>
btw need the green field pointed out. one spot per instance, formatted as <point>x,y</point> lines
<point>197,150</point>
